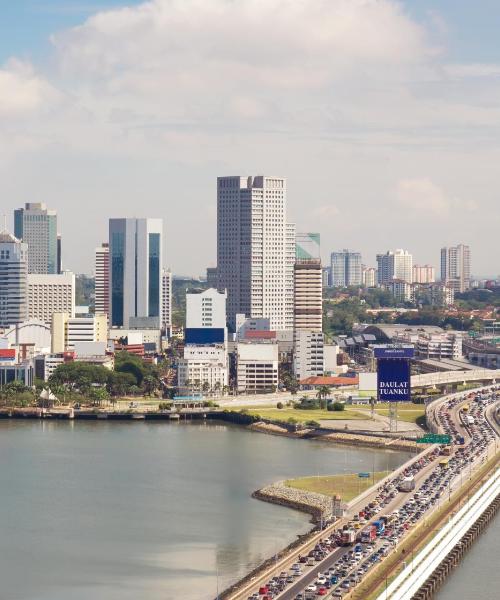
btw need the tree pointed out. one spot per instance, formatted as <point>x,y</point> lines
<point>322,394</point>
<point>120,383</point>
<point>150,384</point>
<point>205,388</point>
<point>98,395</point>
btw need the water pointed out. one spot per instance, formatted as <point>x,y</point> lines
<point>477,575</point>
<point>128,511</point>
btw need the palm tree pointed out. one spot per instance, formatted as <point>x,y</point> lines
<point>322,394</point>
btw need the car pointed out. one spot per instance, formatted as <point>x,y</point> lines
<point>311,588</point>
<point>321,580</point>
<point>322,591</point>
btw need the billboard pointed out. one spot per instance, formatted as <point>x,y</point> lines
<point>393,380</point>
<point>394,351</point>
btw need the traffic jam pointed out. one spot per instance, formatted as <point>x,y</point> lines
<point>368,538</point>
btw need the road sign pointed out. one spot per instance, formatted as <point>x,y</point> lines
<point>364,475</point>
<point>434,438</point>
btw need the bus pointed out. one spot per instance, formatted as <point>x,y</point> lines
<point>444,463</point>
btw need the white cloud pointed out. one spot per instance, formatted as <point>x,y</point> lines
<point>423,197</point>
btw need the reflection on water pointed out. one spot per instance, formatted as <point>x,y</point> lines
<point>121,511</point>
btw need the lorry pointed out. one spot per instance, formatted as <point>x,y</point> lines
<point>368,534</point>
<point>407,484</point>
<point>347,537</point>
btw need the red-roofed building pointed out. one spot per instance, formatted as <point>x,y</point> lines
<point>260,335</point>
<point>311,383</point>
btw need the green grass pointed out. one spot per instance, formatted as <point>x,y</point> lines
<point>347,486</point>
<point>407,411</point>
<point>302,415</point>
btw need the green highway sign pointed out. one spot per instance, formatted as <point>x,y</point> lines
<point>434,438</point>
<point>365,475</point>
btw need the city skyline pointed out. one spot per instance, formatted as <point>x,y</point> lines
<point>376,129</point>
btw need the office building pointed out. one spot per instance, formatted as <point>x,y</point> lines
<point>308,283</point>
<point>101,266</point>
<point>368,277</point>
<point>166,302</point>
<point>308,359</point>
<point>424,274</point>
<point>346,268</point>
<point>49,294</point>
<point>395,265</point>
<point>204,368</point>
<point>135,268</point>
<point>36,226</point>
<point>455,267</point>
<point>206,309</point>
<point>212,281</point>
<point>255,249</point>
<point>13,280</point>
<point>68,332</point>
<point>256,367</point>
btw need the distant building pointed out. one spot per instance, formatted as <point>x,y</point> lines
<point>13,280</point>
<point>455,267</point>
<point>401,290</point>
<point>435,294</point>
<point>166,312</point>
<point>255,249</point>
<point>257,367</point>
<point>424,274</point>
<point>326,275</point>
<point>36,226</point>
<point>102,279</point>
<point>308,358</point>
<point>49,294</point>
<point>308,283</point>
<point>59,253</point>
<point>135,268</point>
<point>436,346</point>
<point>245,326</point>
<point>345,269</point>
<point>369,277</point>
<point>212,277</point>
<point>69,331</point>
<point>395,265</point>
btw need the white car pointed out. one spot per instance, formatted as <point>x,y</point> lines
<point>321,580</point>
<point>311,588</point>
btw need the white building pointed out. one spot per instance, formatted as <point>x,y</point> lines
<point>203,368</point>
<point>206,309</point>
<point>69,331</point>
<point>13,280</point>
<point>166,302</point>
<point>256,367</point>
<point>49,294</point>
<point>135,268</point>
<point>36,226</point>
<point>455,267</point>
<point>395,265</point>
<point>308,359</point>
<point>102,279</point>
<point>424,274</point>
<point>346,268</point>
<point>255,249</point>
<point>433,345</point>
<point>369,277</point>
<point>401,290</point>
<point>244,325</point>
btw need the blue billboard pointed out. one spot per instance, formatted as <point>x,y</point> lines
<point>204,335</point>
<point>393,351</point>
<point>393,380</point>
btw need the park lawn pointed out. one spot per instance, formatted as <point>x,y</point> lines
<point>347,486</point>
<point>285,413</point>
<point>407,411</point>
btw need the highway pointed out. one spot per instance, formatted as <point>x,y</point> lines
<point>447,416</point>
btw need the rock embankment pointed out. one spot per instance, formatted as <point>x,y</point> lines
<point>370,441</point>
<point>317,505</point>
<point>275,429</point>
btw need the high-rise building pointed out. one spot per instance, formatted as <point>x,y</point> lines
<point>36,226</point>
<point>326,276</point>
<point>255,249</point>
<point>345,268</point>
<point>424,274</point>
<point>395,265</point>
<point>135,268</point>
<point>308,358</point>
<point>369,277</point>
<point>455,267</point>
<point>13,280</point>
<point>212,281</point>
<point>49,294</point>
<point>166,302</point>
<point>308,283</point>
<point>66,331</point>
<point>59,253</point>
<point>101,266</point>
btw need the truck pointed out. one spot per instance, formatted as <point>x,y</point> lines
<point>379,526</point>
<point>368,534</point>
<point>347,537</point>
<point>407,484</point>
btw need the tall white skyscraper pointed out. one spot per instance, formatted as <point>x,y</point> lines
<point>102,279</point>
<point>346,269</point>
<point>13,280</point>
<point>395,265</point>
<point>455,267</point>
<point>36,226</point>
<point>135,267</point>
<point>255,249</point>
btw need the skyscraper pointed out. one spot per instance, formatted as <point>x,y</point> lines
<point>37,227</point>
<point>166,302</point>
<point>346,268</point>
<point>13,280</point>
<point>395,265</point>
<point>424,274</point>
<point>135,267</point>
<point>101,266</point>
<point>255,249</point>
<point>308,283</point>
<point>455,267</point>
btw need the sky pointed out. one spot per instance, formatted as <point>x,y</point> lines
<point>384,116</point>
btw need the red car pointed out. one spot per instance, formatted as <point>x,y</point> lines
<point>322,591</point>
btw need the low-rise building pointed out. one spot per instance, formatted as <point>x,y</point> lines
<point>257,367</point>
<point>67,331</point>
<point>308,359</point>
<point>204,368</point>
